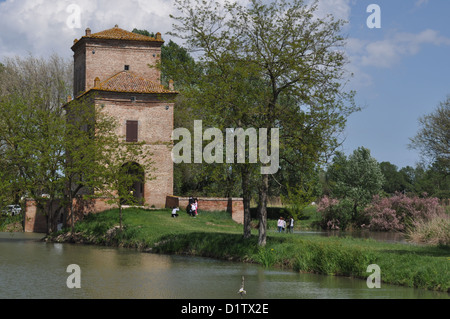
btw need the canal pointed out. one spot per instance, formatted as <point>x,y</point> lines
<point>30,268</point>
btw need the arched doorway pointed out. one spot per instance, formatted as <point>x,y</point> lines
<point>132,188</point>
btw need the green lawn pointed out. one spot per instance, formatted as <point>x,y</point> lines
<point>215,234</point>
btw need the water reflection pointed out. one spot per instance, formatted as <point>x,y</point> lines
<point>32,269</point>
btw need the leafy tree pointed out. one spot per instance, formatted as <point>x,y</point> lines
<point>143,32</point>
<point>32,127</point>
<point>270,66</point>
<point>98,162</point>
<point>53,153</point>
<point>356,178</point>
<point>432,181</point>
<point>433,138</point>
<point>397,180</point>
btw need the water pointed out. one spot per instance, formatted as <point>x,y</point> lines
<point>33,269</point>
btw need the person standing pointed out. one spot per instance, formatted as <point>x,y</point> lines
<point>280,224</point>
<point>291,225</point>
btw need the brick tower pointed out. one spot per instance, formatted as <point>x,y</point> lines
<point>120,67</point>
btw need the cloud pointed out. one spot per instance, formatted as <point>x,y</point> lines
<point>340,9</point>
<point>390,51</point>
<point>41,27</point>
<point>387,53</point>
<point>421,2</point>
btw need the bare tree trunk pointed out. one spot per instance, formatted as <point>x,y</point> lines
<point>71,212</point>
<point>50,216</point>
<point>246,196</point>
<point>262,209</point>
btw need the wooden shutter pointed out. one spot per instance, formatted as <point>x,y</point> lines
<point>132,131</point>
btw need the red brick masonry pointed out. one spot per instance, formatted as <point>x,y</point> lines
<point>36,221</point>
<point>235,206</point>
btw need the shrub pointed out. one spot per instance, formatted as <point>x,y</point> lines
<point>435,231</point>
<point>400,212</point>
<point>335,214</point>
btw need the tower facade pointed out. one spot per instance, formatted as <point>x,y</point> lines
<point>120,67</point>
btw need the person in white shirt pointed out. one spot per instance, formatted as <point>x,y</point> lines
<point>281,224</point>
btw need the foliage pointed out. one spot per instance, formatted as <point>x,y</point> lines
<point>433,138</point>
<point>401,212</point>
<point>266,257</point>
<point>356,179</point>
<point>296,87</point>
<point>335,214</point>
<point>32,129</point>
<point>51,147</point>
<point>297,200</point>
<point>432,179</point>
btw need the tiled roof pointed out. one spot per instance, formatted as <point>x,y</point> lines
<point>127,81</point>
<point>117,33</point>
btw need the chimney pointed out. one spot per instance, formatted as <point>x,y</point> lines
<point>88,32</point>
<point>171,85</point>
<point>97,83</point>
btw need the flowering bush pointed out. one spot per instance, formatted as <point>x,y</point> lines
<point>335,214</point>
<point>399,212</point>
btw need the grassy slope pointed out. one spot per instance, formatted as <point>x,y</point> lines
<point>216,235</point>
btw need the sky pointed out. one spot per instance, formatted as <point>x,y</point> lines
<point>399,55</point>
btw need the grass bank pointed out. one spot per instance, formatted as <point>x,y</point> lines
<point>215,234</point>
<point>11,223</point>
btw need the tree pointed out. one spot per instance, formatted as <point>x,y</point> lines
<point>272,66</point>
<point>32,127</point>
<point>54,153</point>
<point>396,180</point>
<point>99,162</point>
<point>356,179</point>
<point>433,138</point>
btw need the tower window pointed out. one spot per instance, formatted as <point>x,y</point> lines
<point>132,131</point>
<point>126,67</point>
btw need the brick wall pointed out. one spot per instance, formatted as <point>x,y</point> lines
<point>155,123</point>
<point>36,221</point>
<point>235,206</point>
<point>105,58</point>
